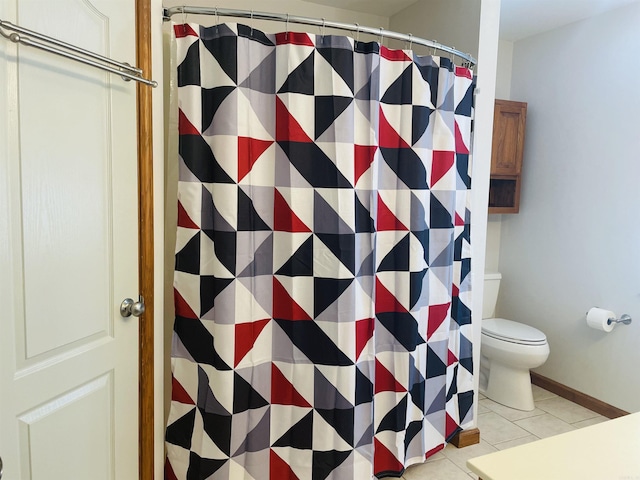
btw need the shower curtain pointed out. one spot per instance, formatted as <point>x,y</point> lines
<point>322,286</point>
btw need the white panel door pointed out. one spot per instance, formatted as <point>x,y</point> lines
<point>68,248</point>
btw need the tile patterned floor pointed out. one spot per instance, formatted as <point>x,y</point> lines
<point>502,427</point>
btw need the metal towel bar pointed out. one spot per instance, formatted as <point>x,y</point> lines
<point>25,37</point>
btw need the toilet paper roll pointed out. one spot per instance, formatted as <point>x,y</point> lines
<point>598,318</point>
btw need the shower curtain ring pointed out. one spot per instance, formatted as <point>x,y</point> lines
<point>381,35</point>
<point>357,32</point>
<point>435,47</point>
<point>286,28</point>
<point>217,19</point>
<point>410,41</point>
<point>324,22</point>
<point>184,15</point>
<point>251,24</point>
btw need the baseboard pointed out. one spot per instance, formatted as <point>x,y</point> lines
<point>464,438</point>
<point>575,396</point>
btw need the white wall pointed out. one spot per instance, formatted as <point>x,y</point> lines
<point>492,252</point>
<point>455,23</point>
<point>503,74</point>
<point>503,91</point>
<point>575,242</point>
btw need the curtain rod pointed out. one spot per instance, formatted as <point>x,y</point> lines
<point>319,22</point>
<point>66,50</point>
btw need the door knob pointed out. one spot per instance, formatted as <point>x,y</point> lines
<point>128,307</point>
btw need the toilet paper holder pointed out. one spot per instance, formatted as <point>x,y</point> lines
<point>626,319</point>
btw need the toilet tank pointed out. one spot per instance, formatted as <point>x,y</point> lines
<point>490,297</point>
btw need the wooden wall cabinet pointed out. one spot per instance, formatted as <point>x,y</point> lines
<point>509,121</point>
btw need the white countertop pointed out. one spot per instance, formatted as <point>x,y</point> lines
<point>606,451</point>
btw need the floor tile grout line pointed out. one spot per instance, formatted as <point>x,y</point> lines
<point>594,414</point>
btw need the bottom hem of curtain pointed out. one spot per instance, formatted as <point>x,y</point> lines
<point>390,474</point>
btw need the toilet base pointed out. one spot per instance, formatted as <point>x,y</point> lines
<point>510,387</point>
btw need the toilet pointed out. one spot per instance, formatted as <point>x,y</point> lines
<point>508,351</point>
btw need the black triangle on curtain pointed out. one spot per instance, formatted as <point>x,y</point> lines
<point>225,50</point>
<point>301,79</point>
<point>198,341</point>
<point>218,428</point>
<point>248,218</point>
<point>245,397</point>
<point>400,92</point>
<point>202,468</point>
<point>326,462</point>
<point>421,117</point>
<point>211,99</point>
<point>341,420</point>
<point>341,60</point>
<point>180,431</point>
<point>395,418</point>
<point>314,343</point>
<point>300,264</point>
<point>328,290</point>
<point>364,388</point>
<point>188,258</point>
<point>189,69</point>
<point>328,108</point>
<point>398,258</point>
<point>199,159</point>
<point>299,436</point>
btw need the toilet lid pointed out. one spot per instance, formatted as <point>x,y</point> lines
<point>511,331</point>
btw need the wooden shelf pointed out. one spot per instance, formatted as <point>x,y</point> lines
<point>504,194</point>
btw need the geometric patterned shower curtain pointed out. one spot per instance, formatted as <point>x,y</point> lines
<point>322,287</point>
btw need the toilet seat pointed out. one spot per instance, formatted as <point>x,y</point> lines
<point>512,332</point>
